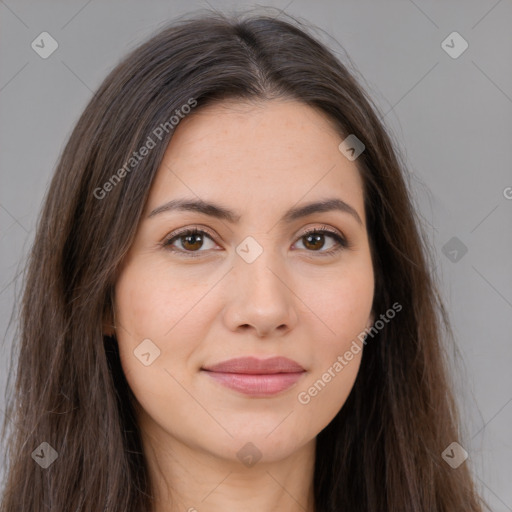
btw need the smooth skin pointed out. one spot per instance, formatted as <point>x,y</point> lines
<point>203,303</point>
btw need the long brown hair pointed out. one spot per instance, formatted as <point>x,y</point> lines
<point>382,452</point>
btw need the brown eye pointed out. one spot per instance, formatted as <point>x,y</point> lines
<point>315,240</point>
<point>191,241</point>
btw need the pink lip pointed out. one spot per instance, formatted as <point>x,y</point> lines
<point>256,377</point>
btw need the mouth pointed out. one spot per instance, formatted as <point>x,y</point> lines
<point>256,377</point>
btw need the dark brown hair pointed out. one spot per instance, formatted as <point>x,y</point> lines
<point>382,452</point>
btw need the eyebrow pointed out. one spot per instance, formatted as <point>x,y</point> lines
<point>220,212</point>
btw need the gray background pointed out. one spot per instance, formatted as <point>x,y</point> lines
<point>450,119</point>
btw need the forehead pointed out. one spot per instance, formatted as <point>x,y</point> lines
<point>243,153</point>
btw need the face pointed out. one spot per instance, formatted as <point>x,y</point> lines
<point>250,282</point>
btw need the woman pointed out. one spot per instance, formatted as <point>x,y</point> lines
<point>228,303</point>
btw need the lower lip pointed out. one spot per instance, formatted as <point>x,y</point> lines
<point>257,385</point>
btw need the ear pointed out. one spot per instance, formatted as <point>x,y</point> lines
<point>108,330</point>
<point>370,321</point>
<point>109,327</point>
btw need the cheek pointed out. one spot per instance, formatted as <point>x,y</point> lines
<point>342,305</point>
<point>341,302</point>
<point>336,362</point>
<point>142,313</point>
<point>324,394</point>
<point>153,302</point>
<point>138,303</point>
<point>149,313</point>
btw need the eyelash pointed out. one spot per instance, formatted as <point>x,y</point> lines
<point>342,243</point>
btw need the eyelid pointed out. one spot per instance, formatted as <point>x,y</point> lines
<point>194,227</point>
<point>322,228</point>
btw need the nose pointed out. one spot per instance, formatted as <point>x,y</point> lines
<point>260,298</point>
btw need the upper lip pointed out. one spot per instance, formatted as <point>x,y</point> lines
<point>255,366</point>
